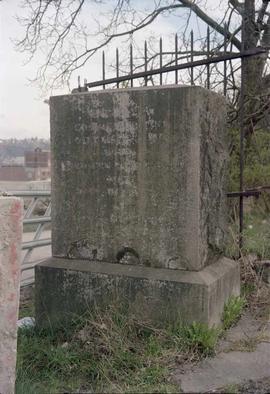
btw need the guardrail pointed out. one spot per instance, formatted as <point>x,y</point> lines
<point>31,200</point>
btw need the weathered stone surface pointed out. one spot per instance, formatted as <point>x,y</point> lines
<point>11,209</point>
<point>66,288</point>
<point>139,176</point>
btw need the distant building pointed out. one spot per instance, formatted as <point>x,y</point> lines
<point>37,164</point>
<point>37,167</point>
<point>13,172</point>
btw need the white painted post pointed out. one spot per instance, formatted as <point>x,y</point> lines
<point>11,211</point>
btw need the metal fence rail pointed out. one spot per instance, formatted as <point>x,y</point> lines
<point>177,67</point>
<point>39,222</point>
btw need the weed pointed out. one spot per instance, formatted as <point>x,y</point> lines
<point>232,311</point>
<point>107,353</point>
<point>230,389</point>
<point>111,353</point>
<point>257,235</point>
<point>26,309</point>
<point>247,289</point>
<point>198,337</point>
<point>154,347</point>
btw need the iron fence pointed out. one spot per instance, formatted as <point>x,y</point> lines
<point>190,65</point>
<point>35,226</point>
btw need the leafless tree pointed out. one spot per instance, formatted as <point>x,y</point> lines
<point>58,28</point>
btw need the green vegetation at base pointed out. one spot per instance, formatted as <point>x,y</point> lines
<point>198,337</point>
<point>26,309</point>
<point>230,389</point>
<point>232,311</point>
<point>247,288</point>
<point>113,353</point>
<point>108,353</point>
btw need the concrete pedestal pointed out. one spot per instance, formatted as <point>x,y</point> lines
<point>138,205</point>
<point>68,288</point>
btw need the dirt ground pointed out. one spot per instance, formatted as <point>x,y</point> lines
<point>255,387</point>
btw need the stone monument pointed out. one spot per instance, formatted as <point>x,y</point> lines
<point>138,205</point>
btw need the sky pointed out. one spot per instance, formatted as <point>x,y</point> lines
<point>23,113</point>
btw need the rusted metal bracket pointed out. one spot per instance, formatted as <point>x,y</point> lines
<point>247,193</point>
<point>255,192</point>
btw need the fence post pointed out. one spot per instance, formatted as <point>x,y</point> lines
<point>117,67</point>
<point>145,62</point>
<point>11,210</point>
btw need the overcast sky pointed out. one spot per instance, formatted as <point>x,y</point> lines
<point>23,112</point>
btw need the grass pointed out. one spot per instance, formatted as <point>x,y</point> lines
<point>112,353</point>
<point>232,311</point>
<point>230,389</point>
<point>247,289</point>
<point>26,309</point>
<point>198,337</point>
<point>109,353</point>
<point>256,235</point>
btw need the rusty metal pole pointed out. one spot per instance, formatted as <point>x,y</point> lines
<point>242,136</point>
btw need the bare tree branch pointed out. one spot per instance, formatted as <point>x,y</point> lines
<point>239,7</point>
<point>210,22</point>
<point>55,26</point>
<point>262,12</point>
<point>86,55</point>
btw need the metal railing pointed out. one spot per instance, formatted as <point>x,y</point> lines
<point>40,222</point>
<point>174,68</point>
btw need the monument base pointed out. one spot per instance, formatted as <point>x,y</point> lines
<point>67,288</point>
